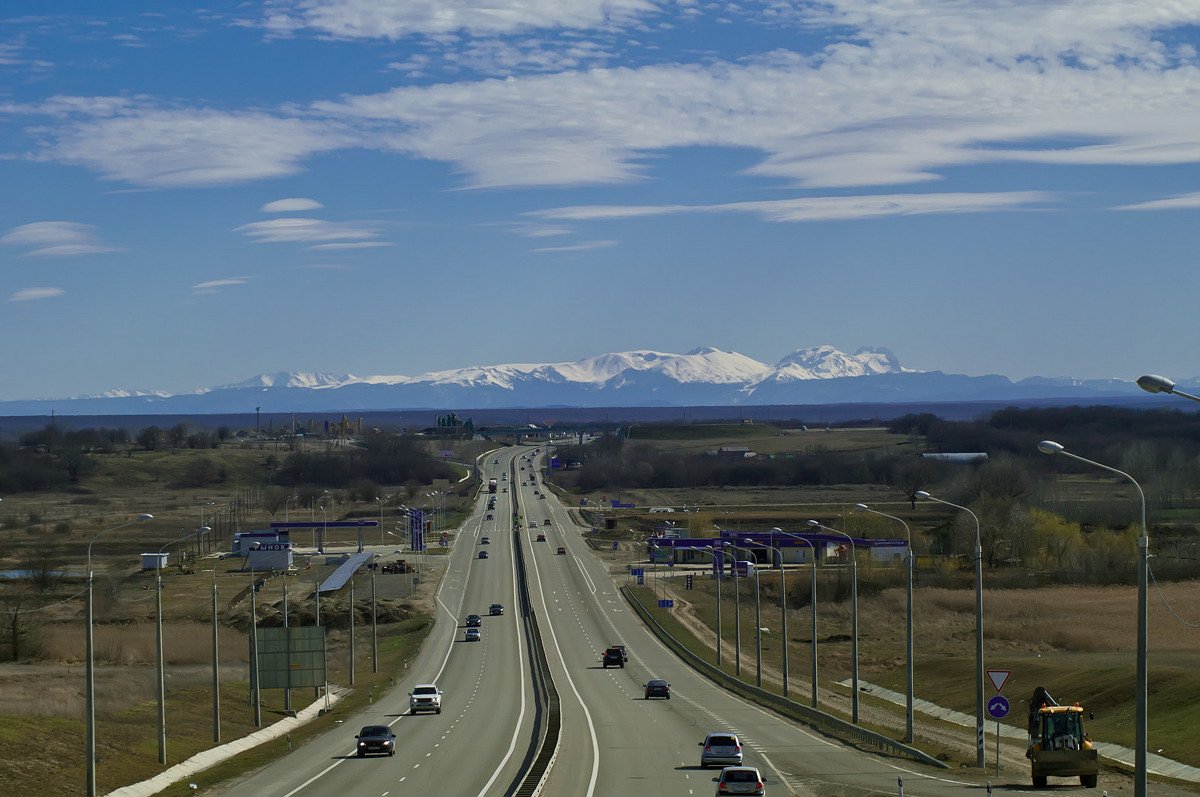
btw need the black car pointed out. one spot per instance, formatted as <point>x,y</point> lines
<point>658,688</point>
<point>376,739</point>
<point>474,621</point>
<point>613,658</point>
<point>495,609</point>
<point>483,554</point>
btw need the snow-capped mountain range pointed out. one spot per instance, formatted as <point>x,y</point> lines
<point>643,378</point>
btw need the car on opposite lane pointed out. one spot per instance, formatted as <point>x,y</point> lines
<point>485,540</point>
<point>473,635</point>
<point>474,621</point>
<point>483,555</point>
<point>377,739</point>
<point>740,780</point>
<point>496,609</point>
<point>425,697</point>
<point>541,538</point>
<point>657,687</point>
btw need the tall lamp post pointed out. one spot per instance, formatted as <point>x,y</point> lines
<point>813,601</point>
<point>711,551</point>
<point>908,625</point>
<point>979,753</point>
<point>757,617</point>
<point>90,665</point>
<point>158,641</point>
<point>1143,567</point>
<point>782,606</point>
<point>853,614</point>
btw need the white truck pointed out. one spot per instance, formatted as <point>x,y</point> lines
<point>425,697</point>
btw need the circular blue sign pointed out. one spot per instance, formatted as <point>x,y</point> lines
<point>997,707</point>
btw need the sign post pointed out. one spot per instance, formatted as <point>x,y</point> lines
<point>998,706</point>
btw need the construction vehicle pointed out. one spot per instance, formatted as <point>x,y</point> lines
<point>1058,745</point>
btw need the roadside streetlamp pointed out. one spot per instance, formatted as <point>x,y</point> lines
<point>853,612</point>
<point>782,607</point>
<point>1143,620</point>
<point>979,753</point>
<point>711,551</point>
<point>324,530</point>
<point>90,666</point>
<point>908,625</point>
<point>813,601</point>
<point>285,507</point>
<point>1153,383</point>
<point>757,616</point>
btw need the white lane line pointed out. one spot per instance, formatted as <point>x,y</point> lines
<point>566,671</point>
<point>586,577</point>
<point>520,671</point>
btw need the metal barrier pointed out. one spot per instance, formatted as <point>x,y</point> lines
<point>819,719</point>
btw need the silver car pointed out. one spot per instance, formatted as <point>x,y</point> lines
<point>721,748</point>
<point>740,780</point>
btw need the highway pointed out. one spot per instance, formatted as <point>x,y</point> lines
<point>613,741</point>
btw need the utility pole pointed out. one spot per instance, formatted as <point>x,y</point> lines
<point>374,629</point>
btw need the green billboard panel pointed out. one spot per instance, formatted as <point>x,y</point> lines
<point>291,657</point>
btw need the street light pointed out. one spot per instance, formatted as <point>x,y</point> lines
<point>757,616</point>
<point>716,567</point>
<point>979,754</point>
<point>324,530</point>
<point>813,600</point>
<point>782,607</point>
<point>90,666</point>
<point>1143,567</point>
<point>908,626</point>
<point>853,612</point>
<point>285,507</point>
<point>1153,383</point>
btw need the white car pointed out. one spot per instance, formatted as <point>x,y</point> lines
<point>740,780</point>
<point>425,697</point>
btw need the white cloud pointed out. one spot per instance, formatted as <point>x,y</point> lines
<point>396,19</point>
<point>1181,202</point>
<point>291,205</point>
<point>832,208</point>
<point>297,230</point>
<point>194,147</point>
<point>212,286</point>
<point>56,239</point>
<point>583,247</point>
<point>353,245</point>
<point>32,294</point>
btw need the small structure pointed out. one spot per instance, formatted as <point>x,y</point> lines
<point>154,561</point>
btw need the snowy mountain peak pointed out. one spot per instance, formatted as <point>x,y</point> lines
<point>826,362</point>
<point>292,379</point>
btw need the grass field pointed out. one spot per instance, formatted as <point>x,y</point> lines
<point>1078,642</point>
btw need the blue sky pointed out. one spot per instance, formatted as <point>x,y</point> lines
<point>189,197</point>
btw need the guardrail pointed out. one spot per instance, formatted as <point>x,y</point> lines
<point>819,719</point>
<point>548,720</point>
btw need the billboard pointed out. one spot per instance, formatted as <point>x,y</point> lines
<point>416,529</point>
<point>291,657</point>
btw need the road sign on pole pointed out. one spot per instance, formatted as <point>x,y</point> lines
<point>998,707</point>
<point>998,677</point>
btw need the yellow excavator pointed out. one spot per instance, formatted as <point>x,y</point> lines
<point>1058,745</point>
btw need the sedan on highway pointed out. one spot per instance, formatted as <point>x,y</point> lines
<point>474,621</point>
<point>472,635</point>
<point>483,555</point>
<point>377,739</point>
<point>657,687</point>
<point>721,748</point>
<point>740,780</point>
<point>495,609</point>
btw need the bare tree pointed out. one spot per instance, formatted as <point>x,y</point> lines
<point>20,629</point>
<point>44,564</point>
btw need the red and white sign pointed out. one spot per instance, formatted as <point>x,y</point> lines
<point>998,677</point>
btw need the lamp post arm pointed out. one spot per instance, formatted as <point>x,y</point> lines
<point>1121,473</point>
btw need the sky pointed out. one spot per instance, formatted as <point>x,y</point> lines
<point>191,196</point>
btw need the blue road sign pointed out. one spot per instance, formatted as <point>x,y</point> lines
<point>616,545</point>
<point>998,707</point>
<point>641,579</point>
<point>666,603</point>
<point>637,571</point>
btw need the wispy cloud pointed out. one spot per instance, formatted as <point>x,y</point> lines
<point>56,239</point>
<point>353,245</point>
<point>821,208</point>
<point>1181,202</point>
<point>32,294</point>
<point>291,205</point>
<point>212,286</point>
<point>396,19</point>
<point>310,231</point>
<point>583,247</point>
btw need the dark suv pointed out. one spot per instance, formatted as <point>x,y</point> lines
<point>613,657</point>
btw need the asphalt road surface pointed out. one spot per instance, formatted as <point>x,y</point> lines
<point>614,742</point>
